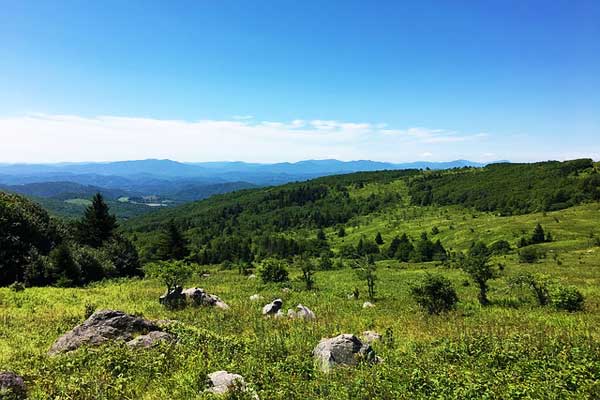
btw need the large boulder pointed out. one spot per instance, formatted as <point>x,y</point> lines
<point>302,312</point>
<point>200,297</point>
<point>345,349</point>
<point>12,386</point>
<point>222,382</point>
<point>151,339</point>
<point>273,308</point>
<point>102,326</point>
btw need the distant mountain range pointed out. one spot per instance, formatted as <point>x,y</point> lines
<point>119,174</point>
<point>153,183</point>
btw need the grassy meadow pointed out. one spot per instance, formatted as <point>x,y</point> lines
<point>510,349</point>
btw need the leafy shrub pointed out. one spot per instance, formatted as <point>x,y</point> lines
<point>529,255</point>
<point>17,287</point>
<point>435,294</point>
<point>365,270</point>
<point>93,264</point>
<point>171,273</point>
<point>272,270</point>
<point>500,247</point>
<point>539,284</point>
<point>567,298</point>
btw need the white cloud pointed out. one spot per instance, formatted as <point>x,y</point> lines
<point>53,138</point>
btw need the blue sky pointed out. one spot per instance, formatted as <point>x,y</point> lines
<point>394,81</point>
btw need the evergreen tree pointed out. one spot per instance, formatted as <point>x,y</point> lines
<point>341,232</point>
<point>538,235</point>
<point>378,239</point>
<point>393,247</point>
<point>477,265</point>
<point>97,225</point>
<point>172,245</point>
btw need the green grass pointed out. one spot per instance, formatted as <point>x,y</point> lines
<point>511,349</point>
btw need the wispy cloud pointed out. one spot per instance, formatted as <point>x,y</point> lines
<point>48,138</point>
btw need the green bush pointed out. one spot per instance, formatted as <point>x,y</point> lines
<point>529,255</point>
<point>567,298</point>
<point>435,294</point>
<point>272,270</point>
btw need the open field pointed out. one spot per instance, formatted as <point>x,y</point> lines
<point>510,349</point>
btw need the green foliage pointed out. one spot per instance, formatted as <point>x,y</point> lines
<point>509,188</point>
<point>64,270</point>
<point>365,270</point>
<point>25,229</point>
<point>477,264</point>
<point>273,270</point>
<point>172,245</point>
<point>435,294</point>
<point>97,224</point>
<point>539,284</point>
<point>172,273</point>
<point>308,270</point>
<point>567,298</point>
<point>500,247</point>
<point>341,232</point>
<point>529,255</point>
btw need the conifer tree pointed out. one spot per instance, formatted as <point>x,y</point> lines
<point>378,239</point>
<point>172,245</point>
<point>97,225</point>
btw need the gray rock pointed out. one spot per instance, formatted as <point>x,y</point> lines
<point>303,312</point>
<point>100,327</point>
<point>255,297</point>
<point>151,339</point>
<point>222,382</point>
<point>370,336</point>
<point>12,386</point>
<point>200,297</point>
<point>368,304</point>
<point>345,349</point>
<point>273,307</point>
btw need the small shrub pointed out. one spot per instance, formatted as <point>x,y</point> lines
<point>271,270</point>
<point>435,294</point>
<point>500,247</point>
<point>528,255</point>
<point>17,287</point>
<point>567,298</point>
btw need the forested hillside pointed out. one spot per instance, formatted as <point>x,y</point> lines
<point>284,221</point>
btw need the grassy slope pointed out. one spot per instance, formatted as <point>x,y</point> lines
<point>510,349</point>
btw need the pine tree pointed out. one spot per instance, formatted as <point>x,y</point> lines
<point>173,245</point>
<point>341,232</point>
<point>97,225</point>
<point>538,235</point>
<point>378,239</point>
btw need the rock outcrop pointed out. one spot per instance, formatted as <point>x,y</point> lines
<point>273,308</point>
<point>222,382</point>
<point>200,297</point>
<point>345,349</point>
<point>103,326</point>
<point>302,312</point>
